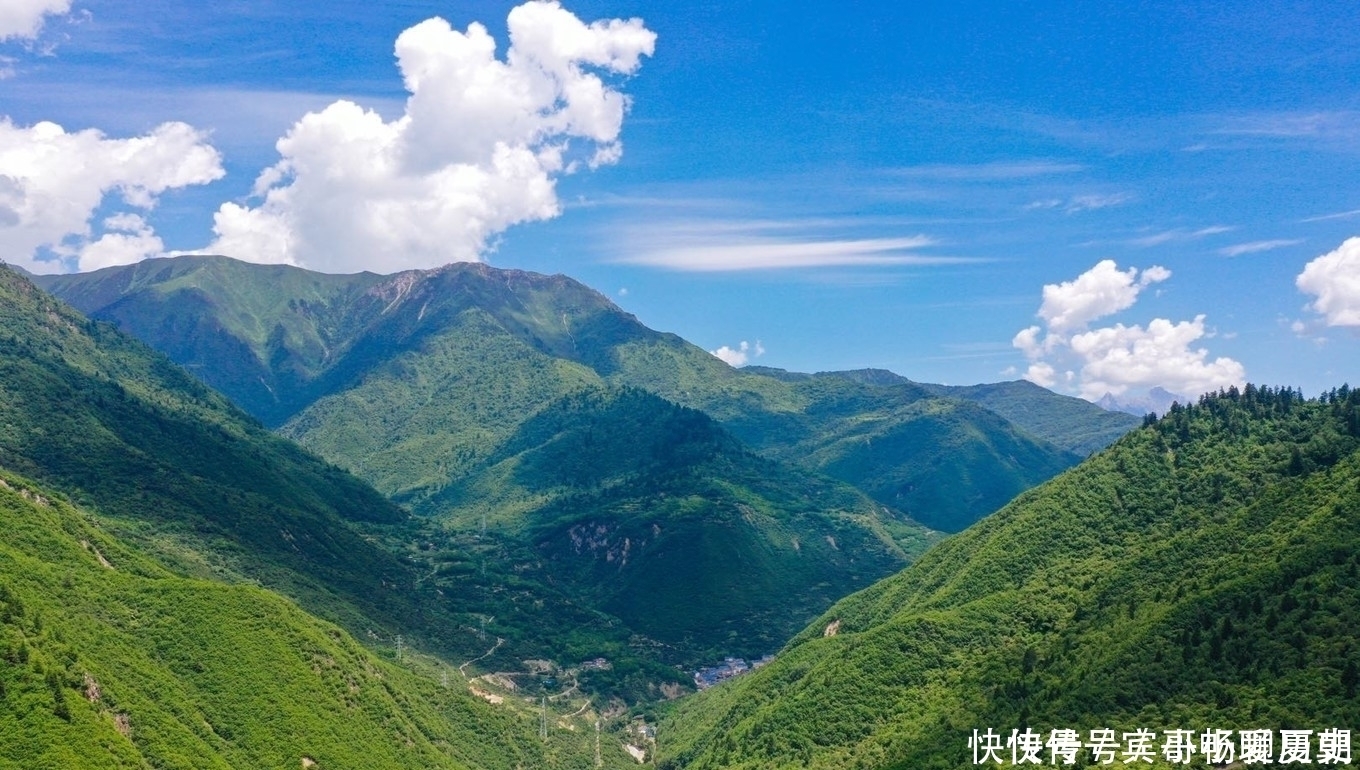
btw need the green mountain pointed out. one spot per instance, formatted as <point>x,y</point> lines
<point>1074,424</point>
<point>654,513</point>
<point>129,434</point>
<point>434,402</point>
<point>436,387</point>
<point>176,470</point>
<point>946,462</point>
<point>1200,574</point>
<point>112,661</point>
<point>412,381</point>
<point>203,665</point>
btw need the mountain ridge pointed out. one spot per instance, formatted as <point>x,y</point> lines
<point>530,339</point>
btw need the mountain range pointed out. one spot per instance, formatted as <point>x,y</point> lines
<point>566,505</point>
<point>446,389</point>
<point>413,379</point>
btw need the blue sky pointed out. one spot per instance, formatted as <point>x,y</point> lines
<point>850,185</point>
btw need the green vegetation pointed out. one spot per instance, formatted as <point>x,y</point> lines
<point>1200,573</point>
<point>177,471</point>
<point>107,660</point>
<point>258,333</point>
<point>137,610</point>
<point>174,467</point>
<point>412,381</point>
<point>1071,423</point>
<point>944,462</point>
<point>655,514</point>
<point>562,508</point>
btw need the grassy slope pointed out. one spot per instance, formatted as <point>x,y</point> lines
<point>945,462</point>
<point>1201,573</point>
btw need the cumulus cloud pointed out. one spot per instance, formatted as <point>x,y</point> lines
<point>477,150</point>
<point>127,239</point>
<point>52,182</point>
<point>1066,352</point>
<point>1334,279</point>
<point>741,355</point>
<point>23,19</point>
<point>1119,357</point>
<point>1103,290</point>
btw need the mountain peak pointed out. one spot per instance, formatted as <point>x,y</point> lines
<point>1156,400</point>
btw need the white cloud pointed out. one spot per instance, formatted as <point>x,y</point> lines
<point>1255,247</point>
<point>1120,357</point>
<point>1027,340</point>
<point>1179,234</point>
<point>741,354</point>
<point>1042,374</point>
<point>1116,358</point>
<point>767,253</point>
<point>127,239</point>
<point>1337,215</point>
<point>988,172</point>
<point>476,151</point>
<point>1092,202</point>
<point>1334,279</point>
<point>51,183</point>
<point>24,18</point>
<point>1100,291</point>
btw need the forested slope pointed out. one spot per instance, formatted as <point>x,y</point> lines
<point>1201,573</point>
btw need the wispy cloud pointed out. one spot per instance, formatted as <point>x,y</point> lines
<point>1285,125</point>
<point>789,253</point>
<point>1178,234</point>
<point>987,172</point>
<point>1078,203</point>
<point>1254,247</point>
<point>1092,202</point>
<point>754,244</point>
<point>1338,215</point>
